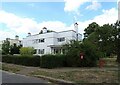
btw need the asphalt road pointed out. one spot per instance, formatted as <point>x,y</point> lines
<point>16,78</point>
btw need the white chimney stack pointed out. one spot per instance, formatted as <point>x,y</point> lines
<point>29,34</point>
<point>17,37</point>
<point>44,30</point>
<point>76,29</point>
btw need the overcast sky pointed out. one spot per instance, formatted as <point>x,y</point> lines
<point>19,18</point>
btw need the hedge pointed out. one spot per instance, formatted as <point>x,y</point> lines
<point>52,61</point>
<point>22,60</point>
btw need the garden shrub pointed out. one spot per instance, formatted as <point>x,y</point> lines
<point>73,55</point>
<point>27,51</point>
<point>22,60</point>
<point>52,61</point>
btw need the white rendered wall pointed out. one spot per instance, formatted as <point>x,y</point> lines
<point>50,39</point>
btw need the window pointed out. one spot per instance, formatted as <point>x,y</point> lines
<point>41,51</point>
<point>38,40</point>
<point>35,51</point>
<point>41,40</point>
<point>35,41</point>
<point>61,39</point>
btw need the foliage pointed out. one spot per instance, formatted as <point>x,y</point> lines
<point>106,37</point>
<point>91,55</point>
<point>116,39</point>
<point>5,47</point>
<point>22,60</point>
<point>90,29</point>
<point>52,61</point>
<point>27,51</point>
<point>10,49</point>
<point>72,53</point>
<point>15,49</point>
<point>73,50</point>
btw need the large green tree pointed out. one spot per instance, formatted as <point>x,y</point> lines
<point>6,47</point>
<point>105,33</point>
<point>116,39</point>
<point>106,38</point>
<point>90,29</point>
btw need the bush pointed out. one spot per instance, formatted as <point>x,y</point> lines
<point>73,55</point>
<point>22,60</point>
<point>52,61</point>
<point>90,56</point>
<point>27,51</point>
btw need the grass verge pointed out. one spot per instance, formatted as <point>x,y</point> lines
<point>11,68</point>
<point>81,76</point>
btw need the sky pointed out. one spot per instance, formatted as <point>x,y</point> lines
<point>19,18</point>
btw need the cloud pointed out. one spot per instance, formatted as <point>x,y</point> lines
<point>16,23</point>
<point>53,25</point>
<point>22,25</point>
<point>73,5</point>
<point>107,16</point>
<point>94,6</point>
<point>4,35</point>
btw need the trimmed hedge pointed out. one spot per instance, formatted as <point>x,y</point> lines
<point>22,60</point>
<point>52,61</point>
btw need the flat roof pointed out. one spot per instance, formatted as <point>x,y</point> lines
<point>54,32</point>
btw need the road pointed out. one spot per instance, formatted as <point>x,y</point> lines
<point>16,78</point>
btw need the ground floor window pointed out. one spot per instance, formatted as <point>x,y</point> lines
<point>57,51</point>
<point>35,51</point>
<point>40,51</point>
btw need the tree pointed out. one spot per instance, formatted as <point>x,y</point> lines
<point>116,39</point>
<point>106,38</point>
<point>90,29</point>
<point>105,35</point>
<point>14,49</point>
<point>102,38</point>
<point>6,47</point>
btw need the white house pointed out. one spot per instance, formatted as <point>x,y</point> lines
<point>50,42</point>
<point>12,41</point>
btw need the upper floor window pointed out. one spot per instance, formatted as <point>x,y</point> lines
<point>61,39</point>
<point>38,40</point>
<point>41,40</point>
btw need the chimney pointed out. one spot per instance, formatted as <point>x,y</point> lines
<point>29,34</point>
<point>7,39</point>
<point>44,30</point>
<point>76,29</point>
<point>17,37</point>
